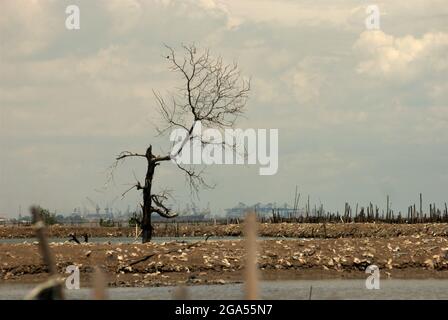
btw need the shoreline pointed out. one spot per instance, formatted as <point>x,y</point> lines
<point>219,262</point>
<point>287,230</point>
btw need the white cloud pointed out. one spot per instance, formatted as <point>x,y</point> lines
<point>308,78</point>
<point>290,13</point>
<point>404,57</point>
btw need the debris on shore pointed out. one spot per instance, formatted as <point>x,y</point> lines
<point>206,262</point>
<point>282,230</point>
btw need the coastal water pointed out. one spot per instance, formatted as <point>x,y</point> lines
<point>282,290</point>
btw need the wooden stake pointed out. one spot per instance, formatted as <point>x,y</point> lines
<point>56,288</point>
<point>251,271</point>
<point>421,207</point>
<point>99,285</point>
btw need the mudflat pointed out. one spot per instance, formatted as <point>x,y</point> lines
<point>415,256</point>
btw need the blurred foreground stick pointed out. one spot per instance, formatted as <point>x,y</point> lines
<point>251,270</point>
<point>52,288</point>
<point>99,284</point>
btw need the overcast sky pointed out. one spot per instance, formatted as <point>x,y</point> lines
<point>360,113</point>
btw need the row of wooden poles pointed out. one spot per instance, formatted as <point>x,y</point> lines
<point>369,213</point>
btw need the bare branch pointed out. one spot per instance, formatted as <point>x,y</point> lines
<point>126,154</point>
<point>161,209</point>
<point>213,93</point>
<point>124,193</point>
<point>195,178</point>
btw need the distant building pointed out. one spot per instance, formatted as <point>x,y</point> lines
<point>262,210</point>
<point>3,221</point>
<point>238,211</point>
<point>72,219</point>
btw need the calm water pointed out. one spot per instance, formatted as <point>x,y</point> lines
<point>297,290</point>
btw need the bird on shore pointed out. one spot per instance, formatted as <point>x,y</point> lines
<point>73,238</point>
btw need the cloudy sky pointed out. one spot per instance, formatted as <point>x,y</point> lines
<point>360,113</point>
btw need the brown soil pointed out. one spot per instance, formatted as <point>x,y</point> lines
<point>171,263</point>
<point>296,230</point>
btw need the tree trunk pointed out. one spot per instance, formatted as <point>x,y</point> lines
<point>147,201</point>
<point>146,226</point>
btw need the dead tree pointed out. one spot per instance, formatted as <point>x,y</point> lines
<point>212,93</point>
